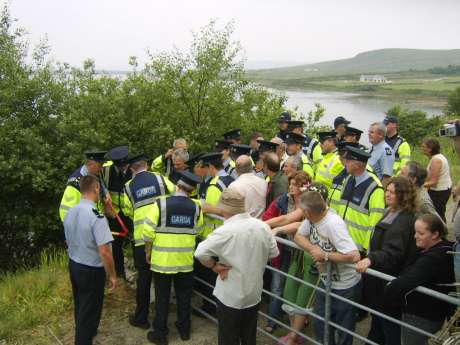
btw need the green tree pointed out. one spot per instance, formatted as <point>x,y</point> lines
<point>414,125</point>
<point>453,102</point>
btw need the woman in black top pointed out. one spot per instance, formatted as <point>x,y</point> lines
<point>391,245</point>
<point>431,267</point>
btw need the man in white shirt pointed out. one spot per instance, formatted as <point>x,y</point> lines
<point>252,187</point>
<point>325,236</point>
<point>238,251</point>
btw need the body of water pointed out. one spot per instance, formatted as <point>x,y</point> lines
<point>361,111</point>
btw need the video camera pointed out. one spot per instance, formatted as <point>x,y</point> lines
<point>450,130</point>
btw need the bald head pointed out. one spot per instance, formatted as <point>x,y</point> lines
<point>243,165</point>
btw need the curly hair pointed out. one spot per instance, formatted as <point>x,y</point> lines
<point>406,193</point>
<point>301,178</point>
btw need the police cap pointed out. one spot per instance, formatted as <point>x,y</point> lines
<point>209,158</point>
<point>340,120</point>
<point>294,138</point>
<point>295,124</point>
<point>193,160</point>
<point>342,146</point>
<point>119,154</point>
<point>284,117</point>
<point>356,154</point>
<point>353,131</point>
<point>390,119</point>
<point>326,135</point>
<point>233,134</point>
<point>222,144</point>
<point>240,149</point>
<point>265,146</point>
<point>96,155</point>
<point>137,158</point>
<point>188,179</point>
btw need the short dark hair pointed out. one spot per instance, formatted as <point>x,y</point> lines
<point>255,135</point>
<point>272,162</point>
<point>88,183</point>
<point>434,224</point>
<point>217,163</point>
<point>417,171</point>
<point>433,145</point>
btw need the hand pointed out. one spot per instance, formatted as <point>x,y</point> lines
<point>317,254</point>
<point>113,283</point>
<point>363,265</point>
<point>148,258</point>
<point>169,153</point>
<point>222,270</point>
<point>277,230</point>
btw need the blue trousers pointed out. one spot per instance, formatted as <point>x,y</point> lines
<point>342,313</point>
<point>277,287</point>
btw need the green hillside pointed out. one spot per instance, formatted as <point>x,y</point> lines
<point>375,61</point>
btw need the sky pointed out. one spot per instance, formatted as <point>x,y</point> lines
<point>272,33</point>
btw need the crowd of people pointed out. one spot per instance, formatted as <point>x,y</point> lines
<point>208,222</point>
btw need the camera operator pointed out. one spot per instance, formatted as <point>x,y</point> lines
<point>452,130</point>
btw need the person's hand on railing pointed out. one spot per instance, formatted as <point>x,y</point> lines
<point>363,265</point>
<point>317,254</point>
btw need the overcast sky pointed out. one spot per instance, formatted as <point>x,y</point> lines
<point>283,31</point>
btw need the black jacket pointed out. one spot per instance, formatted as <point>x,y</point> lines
<point>429,268</point>
<point>391,247</point>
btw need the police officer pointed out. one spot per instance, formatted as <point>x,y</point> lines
<point>169,247</point>
<point>381,158</point>
<point>340,125</point>
<point>219,181</point>
<point>234,136</point>
<point>311,146</point>
<point>164,164</point>
<point>399,145</point>
<point>88,239</point>
<point>223,146</point>
<point>72,194</point>
<point>294,144</point>
<point>353,135</point>
<point>330,166</point>
<point>362,198</point>
<point>283,124</point>
<point>140,195</point>
<point>115,174</point>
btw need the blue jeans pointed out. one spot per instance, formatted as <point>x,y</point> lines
<point>277,287</point>
<point>342,313</point>
<point>457,262</point>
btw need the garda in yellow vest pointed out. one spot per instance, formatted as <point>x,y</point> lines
<point>361,207</point>
<point>328,169</point>
<point>213,191</point>
<point>141,193</point>
<point>176,221</point>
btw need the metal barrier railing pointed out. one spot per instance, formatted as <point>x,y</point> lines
<point>328,295</point>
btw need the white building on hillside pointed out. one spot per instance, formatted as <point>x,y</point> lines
<point>373,79</point>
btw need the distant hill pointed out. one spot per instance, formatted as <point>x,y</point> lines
<point>375,61</point>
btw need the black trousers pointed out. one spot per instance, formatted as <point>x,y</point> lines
<point>118,242</point>
<point>88,295</point>
<point>209,276</point>
<point>440,199</point>
<point>183,286</point>
<point>143,283</point>
<point>237,326</point>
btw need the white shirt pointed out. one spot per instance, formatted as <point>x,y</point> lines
<point>331,235</point>
<point>444,181</point>
<point>246,244</point>
<point>254,190</point>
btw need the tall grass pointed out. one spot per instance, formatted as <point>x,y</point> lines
<point>36,296</point>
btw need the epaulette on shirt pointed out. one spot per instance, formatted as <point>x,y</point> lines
<point>388,151</point>
<point>97,213</point>
<point>74,182</point>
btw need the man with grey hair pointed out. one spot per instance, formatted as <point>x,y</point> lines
<point>291,166</point>
<point>382,158</point>
<point>164,164</point>
<point>238,252</point>
<point>252,187</point>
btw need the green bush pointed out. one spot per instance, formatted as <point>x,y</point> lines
<point>51,113</point>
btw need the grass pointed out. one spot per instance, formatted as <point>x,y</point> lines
<point>35,297</point>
